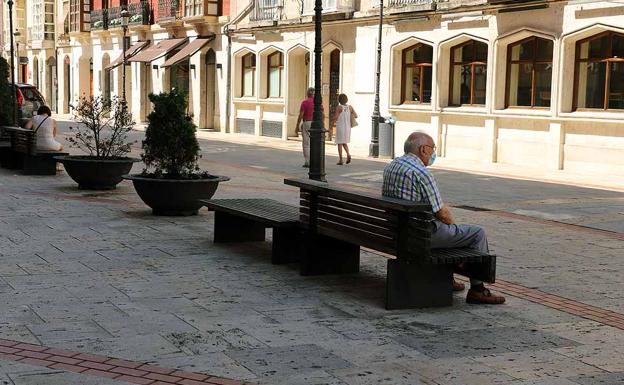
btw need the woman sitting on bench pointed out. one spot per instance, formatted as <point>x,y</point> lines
<point>45,130</point>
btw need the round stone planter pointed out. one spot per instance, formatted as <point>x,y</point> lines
<point>175,197</point>
<point>93,173</point>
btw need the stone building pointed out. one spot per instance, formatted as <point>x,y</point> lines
<point>532,83</point>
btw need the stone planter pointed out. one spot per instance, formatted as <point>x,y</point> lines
<point>175,196</point>
<point>92,173</point>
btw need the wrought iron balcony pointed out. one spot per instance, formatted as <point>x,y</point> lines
<point>99,19</point>
<point>114,17</point>
<point>266,10</point>
<point>407,3</point>
<point>329,6</point>
<point>139,13</point>
<point>169,10</point>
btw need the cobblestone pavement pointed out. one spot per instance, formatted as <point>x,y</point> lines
<point>94,272</point>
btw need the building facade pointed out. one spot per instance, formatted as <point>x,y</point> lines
<point>532,83</point>
<point>537,84</point>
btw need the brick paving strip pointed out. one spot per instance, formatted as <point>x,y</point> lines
<point>566,305</point>
<point>100,366</point>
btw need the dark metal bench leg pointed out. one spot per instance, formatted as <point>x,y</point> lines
<point>325,255</point>
<point>230,228</point>
<point>286,244</point>
<point>416,286</point>
<point>39,165</point>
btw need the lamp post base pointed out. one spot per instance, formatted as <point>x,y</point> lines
<point>373,150</point>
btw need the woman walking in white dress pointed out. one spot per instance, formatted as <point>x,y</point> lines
<point>344,115</point>
<point>46,130</point>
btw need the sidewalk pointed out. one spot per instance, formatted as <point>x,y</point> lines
<point>95,273</point>
<point>489,169</point>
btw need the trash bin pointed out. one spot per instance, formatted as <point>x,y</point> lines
<point>386,136</point>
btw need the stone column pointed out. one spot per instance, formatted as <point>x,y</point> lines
<point>556,145</point>
<point>490,141</point>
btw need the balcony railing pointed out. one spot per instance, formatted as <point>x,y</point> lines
<point>99,19</point>
<point>139,13</point>
<point>169,10</point>
<point>407,3</point>
<point>266,10</point>
<point>329,6</point>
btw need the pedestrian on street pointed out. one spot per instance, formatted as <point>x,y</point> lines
<point>304,123</point>
<point>407,177</point>
<point>344,119</point>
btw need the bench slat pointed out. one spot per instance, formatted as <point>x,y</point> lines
<point>360,197</point>
<point>267,211</point>
<point>356,224</point>
<point>355,235</point>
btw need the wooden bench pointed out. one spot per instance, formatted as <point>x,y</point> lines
<point>27,157</point>
<point>337,221</point>
<point>245,220</point>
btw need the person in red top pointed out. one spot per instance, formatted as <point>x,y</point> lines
<point>306,114</point>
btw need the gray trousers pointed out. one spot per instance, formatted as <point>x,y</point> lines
<point>305,135</point>
<point>456,236</point>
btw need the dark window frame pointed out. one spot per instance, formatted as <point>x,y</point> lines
<point>607,60</point>
<point>420,66</point>
<point>472,65</point>
<point>252,67</point>
<point>534,61</point>
<point>280,68</point>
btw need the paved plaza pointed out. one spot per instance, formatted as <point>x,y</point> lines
<point>96,290</point>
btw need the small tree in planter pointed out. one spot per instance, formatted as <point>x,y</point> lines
<point>6,112</point>
<point>176,184</point>
<point>170,146</point>
<point>102,132</point>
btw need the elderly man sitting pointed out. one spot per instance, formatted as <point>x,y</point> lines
<point>407,178</point>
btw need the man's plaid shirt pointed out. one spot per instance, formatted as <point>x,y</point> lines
<point>407,178</point>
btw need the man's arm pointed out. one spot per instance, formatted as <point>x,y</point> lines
<point>299,119</point>
<point>445,215</point>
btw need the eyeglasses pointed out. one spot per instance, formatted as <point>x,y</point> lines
<point>434,148</point>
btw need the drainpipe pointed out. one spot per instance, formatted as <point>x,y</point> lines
<point>228,32</point>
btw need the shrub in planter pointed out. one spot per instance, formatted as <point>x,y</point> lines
<point>172,183</point>
<point>6,117</point>
<point>101,132</point>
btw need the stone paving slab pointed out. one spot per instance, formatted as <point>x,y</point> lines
<point>97,273</point>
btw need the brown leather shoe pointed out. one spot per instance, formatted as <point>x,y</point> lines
<point>458,286</point>
<point>484,297</point>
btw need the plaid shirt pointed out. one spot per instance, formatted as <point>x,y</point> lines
<point>407,178</point>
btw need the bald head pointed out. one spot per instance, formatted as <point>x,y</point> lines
<point>415,141</point>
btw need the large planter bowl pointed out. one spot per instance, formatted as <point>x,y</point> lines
<point>93,173</point>
<point>175,196</point>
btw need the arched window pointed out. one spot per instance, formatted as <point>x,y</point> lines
<point>599,72</point>
<point>416,70</point>
<point>275,70</point>
<point>248,75</point>
<point>529,73</point>
<point>468,73</point>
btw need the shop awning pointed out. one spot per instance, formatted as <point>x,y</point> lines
<point>188,51</point>
<point>158,50</point>
<point>130,52</point>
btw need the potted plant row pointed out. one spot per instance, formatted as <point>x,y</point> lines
<point>172,182</point>
<point>102,132</point>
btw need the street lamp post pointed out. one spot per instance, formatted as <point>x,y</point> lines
<point>317,144</point>
<point>125,16</point>
<point>373,150</point>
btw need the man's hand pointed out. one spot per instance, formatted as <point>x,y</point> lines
<point>445,216</point>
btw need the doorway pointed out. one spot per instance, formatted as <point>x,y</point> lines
<point>36,73</point>
<point>211,61</point>
<point>298,76</point>
<point>51,83</point>
<point>334,84</point>
<point>66,83</point>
